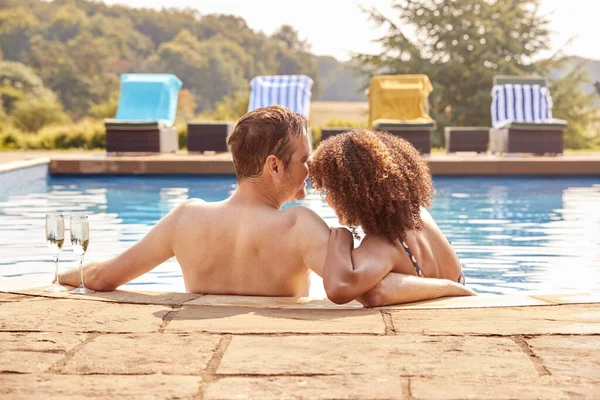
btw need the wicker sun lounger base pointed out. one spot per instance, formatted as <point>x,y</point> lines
<point>139,137</point>
<point>417,134</point>
<point>466,138</point>
<point>528,138</point>
<point>208,136</point>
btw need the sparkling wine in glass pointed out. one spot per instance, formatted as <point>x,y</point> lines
<point>55,238</point>
<point>80,238</point>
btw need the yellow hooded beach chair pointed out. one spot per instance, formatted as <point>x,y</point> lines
<point>398,104</point>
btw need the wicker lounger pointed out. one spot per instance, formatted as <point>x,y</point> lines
<point>139,137</point>
<point>466,138</point>
<point>417,134</point>
<point>524,137</point>
<point>208,136</point>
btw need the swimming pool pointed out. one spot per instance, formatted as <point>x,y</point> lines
<point>511,234</point>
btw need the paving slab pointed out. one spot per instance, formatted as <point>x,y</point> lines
<point>120,296</point>
<point>242,320</point>
<point>53,315</point>
<point>27,362</point>
<point>271,302</point>
<point>10,297</point>
<point>388,356</point>
<point>559,355</point>
<point>570,298</point>
<point>473,302</point>
<point>40,341</point>
<point>143,354</point>
<point>35,352</point>
<point>482,388</point>
<point>305,387</point>
<point>146,387</point>
<point>565,319</point>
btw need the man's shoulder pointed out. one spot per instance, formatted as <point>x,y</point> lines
<point>306,220</point>
<point>191,207</point>
<point>303,214</point>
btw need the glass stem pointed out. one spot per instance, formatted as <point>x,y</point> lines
<point>81,272</point>
<point>56,282</point>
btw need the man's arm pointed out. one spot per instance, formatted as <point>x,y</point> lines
<point>150,251</point>
<point>398,288</point>
<point>311,234</point>
<point>349,273</point>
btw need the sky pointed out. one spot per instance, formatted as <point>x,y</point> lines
<point>339,27</point>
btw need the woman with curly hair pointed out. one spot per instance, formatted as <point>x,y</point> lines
<point>379,182</point>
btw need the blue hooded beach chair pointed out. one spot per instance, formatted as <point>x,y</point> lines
<point>145,115</point>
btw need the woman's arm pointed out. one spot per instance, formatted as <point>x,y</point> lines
<point>364,274</point>
<point>398,288</point>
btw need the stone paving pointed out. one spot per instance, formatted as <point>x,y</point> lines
<point>188,346</point>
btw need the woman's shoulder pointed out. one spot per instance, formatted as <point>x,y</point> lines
<point>378,244</point>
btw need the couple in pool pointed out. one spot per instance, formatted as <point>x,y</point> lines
<point>247,245</point>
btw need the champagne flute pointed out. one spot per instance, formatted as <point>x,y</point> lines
<point>55,238</point>
<point>80,238</point>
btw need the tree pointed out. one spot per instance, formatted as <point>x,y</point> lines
<point>18,81</point>
<point>67,22</point>
<point>17,26</point>
<point>31,114</point>
<point>79,71</point>
<point>294,57</point>
<point>460,45</point>
<point>575,106</point>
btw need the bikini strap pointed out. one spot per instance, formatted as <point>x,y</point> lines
<point>412,257</point>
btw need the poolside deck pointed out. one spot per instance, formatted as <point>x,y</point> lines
<point>98,163</point>
<point>168,345</point>
<point>222,164</point>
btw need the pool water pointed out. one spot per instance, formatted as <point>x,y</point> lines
<point>511,234</point>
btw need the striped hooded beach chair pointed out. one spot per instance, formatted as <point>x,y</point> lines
<point>522,119</point>
<point>145,115</point>
<point>291,91</point>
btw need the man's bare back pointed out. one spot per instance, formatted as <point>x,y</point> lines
<point>250,249</point>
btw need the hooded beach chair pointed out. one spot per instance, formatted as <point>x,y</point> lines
<point>291,91</point>
<point>399,104</point>
<point>522,117</point>
<point>145,115</point>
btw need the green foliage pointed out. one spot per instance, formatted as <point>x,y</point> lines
<point>106,109</point>
<point>85,134</point>
<point>182,135</point>
<point>17,25</point>
<point>344,123</point>
<point>339,80</point>
<point>231,108</point>
<point>30,114</point>
<point>18,80</point>
<point>573,105</point>
<point>10,137</point>
<point>79,48</point>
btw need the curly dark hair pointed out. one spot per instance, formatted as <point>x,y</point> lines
<point>373,180</point>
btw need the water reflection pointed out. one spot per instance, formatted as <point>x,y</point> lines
<point>512,234</point>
